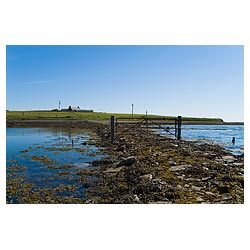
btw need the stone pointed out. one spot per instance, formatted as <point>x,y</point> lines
<point>238,164</point>
<point>204,163</point>
<point>191,179</point>
<point>210,193</point>
<point>179,167</point>
<point>113,170</point>
<point>195,188</point>
<point>226,197</point>
<point>127,161</point>
<point>172,163</point>
<point>199,199</point>
<point>136,198</point>
<point>147,177</point>
<point>159,181</point>
<point>228,158</point>
<point>206,178</point>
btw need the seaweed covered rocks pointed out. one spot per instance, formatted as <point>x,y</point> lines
<point>147,168</point>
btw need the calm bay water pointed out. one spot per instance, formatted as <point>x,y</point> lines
<point>217,134</point>
<point>23,145</point>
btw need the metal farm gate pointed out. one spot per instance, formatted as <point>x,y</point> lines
<point>144,125</point>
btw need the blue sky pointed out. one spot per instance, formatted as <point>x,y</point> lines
<point>198,81</point>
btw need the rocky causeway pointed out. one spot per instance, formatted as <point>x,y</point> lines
<point>145,168</point>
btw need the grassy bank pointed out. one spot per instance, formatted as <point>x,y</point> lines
<point>33,115</point>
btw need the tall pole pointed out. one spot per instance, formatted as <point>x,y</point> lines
<point>132,109</point>
<point>59,105</point>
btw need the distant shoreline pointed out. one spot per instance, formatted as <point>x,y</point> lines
<point>79,123</point>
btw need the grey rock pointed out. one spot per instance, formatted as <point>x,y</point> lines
<point>206,178</point>
<point>172,163</point>
<point>195,188</point>
<point>158,181</point>
<point>226,196</point>
<point>136,198</point>
<point>228,158</point>
<point>179,167</point>
<point>199,199</point>
<point>191,179</point>
<point>147,177</point>
<point>161,202</point>
<point>238,164</point>
<point>113,170</point>
<point>205,164</point>
<point>210,193</point>
<point>127,161</point>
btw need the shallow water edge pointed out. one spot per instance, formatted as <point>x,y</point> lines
<point>147,168</point>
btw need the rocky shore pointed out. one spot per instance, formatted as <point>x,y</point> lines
<point>148,168</point>
<point>143,167</point>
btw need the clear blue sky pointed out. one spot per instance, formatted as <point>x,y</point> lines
<point>198,81</point>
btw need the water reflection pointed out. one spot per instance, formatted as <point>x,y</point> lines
<point>48,157</point>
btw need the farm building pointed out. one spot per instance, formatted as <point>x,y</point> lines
<point>76,109</point>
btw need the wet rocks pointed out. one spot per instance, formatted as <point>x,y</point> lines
<point>226,197</point>
<point>113,170</point>
<point>199,199</point>
<point>154,170</point>
<point>228,158</point>
<point>210,194</point>
<point>195,188</point>
<point>146,177</point>
<point>127,161</point>
<point>179,167</point>
<point>102,162</point>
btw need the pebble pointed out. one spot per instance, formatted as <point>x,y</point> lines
<point>210,193</point>
<point>172,163</point>
<point>127,161</point>
<point>146,177</point>
<point>136,198</point>
<point>228,157</point>
<point>205,164</point>
<point>226,196</point>
<point>195,188</point>
<point>199,199</point>
<point>179,167</point>
<point>206,178</point>
<point>113,170</point>
<point>238,164</point>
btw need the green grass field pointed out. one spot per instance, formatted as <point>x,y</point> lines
<point>29,115</point>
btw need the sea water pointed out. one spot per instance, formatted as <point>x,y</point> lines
<point>214,134</point>
<point>56,144</point>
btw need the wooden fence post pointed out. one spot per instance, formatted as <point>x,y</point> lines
<point>175,127</point>
<point>179,128</point>
<point>112,130</point>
